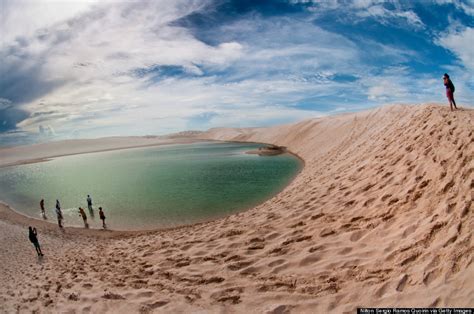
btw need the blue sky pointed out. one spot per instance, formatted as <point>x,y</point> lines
<point>73,69</point>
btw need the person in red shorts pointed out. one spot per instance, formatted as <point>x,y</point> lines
<point>449,91</point>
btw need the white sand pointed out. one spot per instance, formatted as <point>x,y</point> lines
<point>381,215</point>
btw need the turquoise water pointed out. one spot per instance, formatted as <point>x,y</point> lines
<point>148,188</point>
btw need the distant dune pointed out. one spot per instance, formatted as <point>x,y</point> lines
<point>381,215</point>
<point>39,152</point>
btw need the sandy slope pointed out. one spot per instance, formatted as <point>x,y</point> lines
<point>381,215</point>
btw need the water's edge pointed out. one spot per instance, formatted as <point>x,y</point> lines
<point>9,213</point>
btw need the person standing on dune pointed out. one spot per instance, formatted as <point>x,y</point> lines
<point>449,91</point>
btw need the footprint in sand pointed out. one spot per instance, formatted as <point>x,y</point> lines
<point>356,235</point>
<point>368,202</point>
<point>345,251</point>
<point>326,232</point>
<point>431,276</point>
<point>231,295</point>
<point>310,259</point>
<point>401,283</point>
<point>409,230</point>
<point>152,306</point>
<point>447,187</point>
<point>435,303</point>
<point>211,280</point>
<point>281,309</point>
<point>239,265</point>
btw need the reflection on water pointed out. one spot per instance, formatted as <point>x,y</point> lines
<point>149,187</point>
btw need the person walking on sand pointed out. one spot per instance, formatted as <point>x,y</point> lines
<point>82,213</point>
<point>59,214</point>
<point>449,91</point>
<point>33,235</point>
<point>102,217</point>
<point>43,214</point>
<point>89,202</point>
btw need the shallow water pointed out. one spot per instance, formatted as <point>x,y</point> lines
<point>148,188</point>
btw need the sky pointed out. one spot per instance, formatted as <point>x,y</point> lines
<point>84,69</point>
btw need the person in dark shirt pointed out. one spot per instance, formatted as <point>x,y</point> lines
<point>89,202</point>
<point>102,217</point>
<point>43,213</point>
<point>449,91</point>
<point>59,214</point>
<point>33,236</point>
<point>89,206</point>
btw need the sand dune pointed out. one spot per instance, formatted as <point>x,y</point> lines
<point>381,215</point>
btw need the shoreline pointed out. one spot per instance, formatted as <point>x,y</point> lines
<point>47,158</point>
<point>10,214</point>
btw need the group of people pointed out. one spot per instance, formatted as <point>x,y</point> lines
<point>33,234</point>
<point>82,213</point>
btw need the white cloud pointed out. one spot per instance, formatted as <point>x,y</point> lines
<point>395,84</point>
<point>385,90</point>
<point>461,43</point>
<point>386,16</point>
<point>25,18</point>
<point>101,58</point>
<point>101,50</point>
<point>466,6</point>
<point>364,4</point>
<point>358,10</point>
<point>124,37</point>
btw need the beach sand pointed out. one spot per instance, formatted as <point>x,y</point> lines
<point>381,215</point>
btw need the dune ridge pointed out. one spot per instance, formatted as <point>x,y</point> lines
<point>381,215</point>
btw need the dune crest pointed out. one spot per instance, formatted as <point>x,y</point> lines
<point>381,215</point>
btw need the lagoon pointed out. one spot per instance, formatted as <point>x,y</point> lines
<point>150,188</point>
